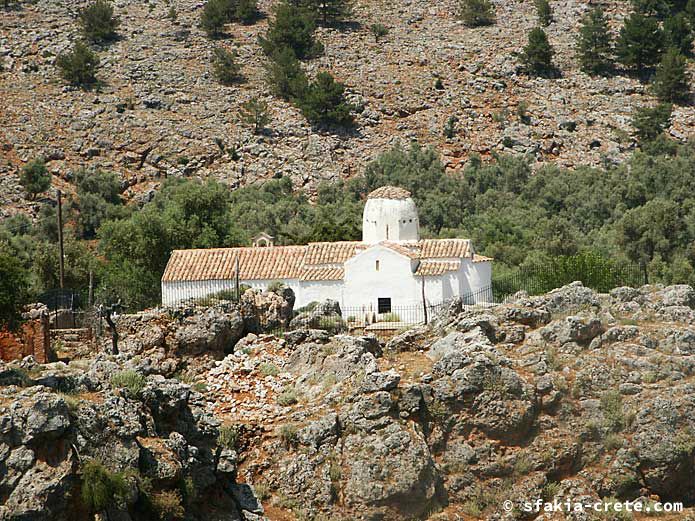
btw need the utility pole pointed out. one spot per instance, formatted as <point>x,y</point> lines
<point>236,277</point>
<point>60,240</point>
<point>424,301</point>
<point>90,296</point>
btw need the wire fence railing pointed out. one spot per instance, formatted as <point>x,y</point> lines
<point>367,319</point>
<point>594,272</point>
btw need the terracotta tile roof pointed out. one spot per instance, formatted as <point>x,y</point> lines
<point>403,249</point>
<point>389,192</point>
<point>316,261</point>
<point>279,262</point>
<point>322,273</point>
<point>436,267</point>
<point>441,248</point>
<point>329,252</point>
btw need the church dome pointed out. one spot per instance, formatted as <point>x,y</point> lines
<point>389,192</point>
<point>390,214</point>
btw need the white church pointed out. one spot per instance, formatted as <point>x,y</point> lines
<point>389,269</point>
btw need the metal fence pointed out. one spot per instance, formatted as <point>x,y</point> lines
<point>67,309</point>
<point>368,320</point>
<point>595,272</point>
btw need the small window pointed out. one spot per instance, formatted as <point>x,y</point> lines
<point>377,265</point>
<point>384,305</point>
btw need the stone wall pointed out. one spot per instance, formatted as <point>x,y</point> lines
<point>32,338</point>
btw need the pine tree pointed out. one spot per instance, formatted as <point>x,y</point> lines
<point>254,113</point>
<point>544,13</point>
<point>379,31</point>
<point>594,43</point>
<point>35,178</point>
<point>640,42</point>
<point>650,122</point>
<point>658,8</point>
<point>324,102</point>
<point>293,28</point>
<point>476,13</point>
<point>537,56</point>
<point>285,75</point>
<point>78,66</point>
<point>246,11</point>
<point>678,34</point>
<point>224,66</point>
<point>215,15</point>
<point>98,22</point>
<point>671,80</point>
<point>330,11</point>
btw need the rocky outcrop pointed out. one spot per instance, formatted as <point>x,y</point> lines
<point>567,395</point>
<point>155,438</point>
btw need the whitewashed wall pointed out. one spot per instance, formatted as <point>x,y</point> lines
<point>475,277</point>
<point>318,291</point>
<point>395,279</point>
<point>390,220</point>
<point>173,292</point>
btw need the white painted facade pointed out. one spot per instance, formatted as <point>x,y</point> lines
<point>385,265</point>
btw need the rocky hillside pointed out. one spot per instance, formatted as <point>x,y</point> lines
<point>161,113</point>
<point>570,395</point>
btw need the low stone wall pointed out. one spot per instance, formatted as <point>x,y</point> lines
<point>32,339</point>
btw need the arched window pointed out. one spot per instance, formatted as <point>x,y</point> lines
<point>377,265</point>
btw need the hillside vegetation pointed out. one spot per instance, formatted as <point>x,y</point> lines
<point>642,211</point>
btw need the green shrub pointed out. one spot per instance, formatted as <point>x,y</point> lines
<point>650,122</point>
<point>390,317</point>
<point>98,200</point>
<point>276,286</point>
<point>285,76</point>
<point>34,177</point>
<point>130,380</point>
<point>102,489</point>
<point>379,31</point>
<point>254,113</point>
<point>98,22</point>
<point>78,66</point>
<point>543,11</point>
<point>329,11</point>
<point>612,409</point>
<point>262,491</point>
<point>168,505</point>
<point>537,56</point>
<point>678,33</point>
<point>450,127</point>
<point>246,11</point>
<point>292,28</point>
<point>594,46</point>
<point>324,102</point>
<point>612,442</point>
<point>671,78</point>
<point>287,397</point>
<point>214,16</point>
<point>229,436</point>
<point>267,369</point>
<point>523,465</point>
<point>288,435</point>
<point>476,13</point>
<point>639,43</point>
<point>224,66</point>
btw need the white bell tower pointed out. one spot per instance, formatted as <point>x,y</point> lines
<point>390,215</point>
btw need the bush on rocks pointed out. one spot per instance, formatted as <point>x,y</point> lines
<point>78,66</point>
<point>98,22</point>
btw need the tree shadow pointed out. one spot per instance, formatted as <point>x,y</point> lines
<point>350,26</point>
